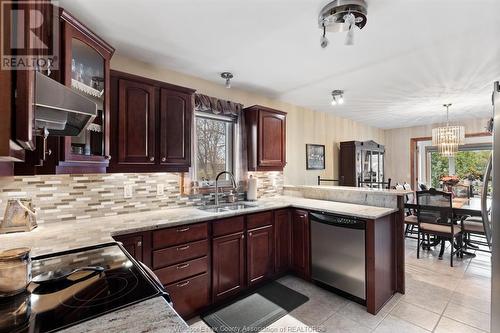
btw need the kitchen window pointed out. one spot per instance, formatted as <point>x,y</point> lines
<point>214,146</point>
<point>468,164</point>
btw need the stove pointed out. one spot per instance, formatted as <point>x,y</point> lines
<point>83,295</point>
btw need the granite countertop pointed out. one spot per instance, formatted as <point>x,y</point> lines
<point>59,236</point>
<point>375,191</point>
<point>155,315</point>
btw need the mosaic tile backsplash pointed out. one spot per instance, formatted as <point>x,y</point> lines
<point>71,197</point>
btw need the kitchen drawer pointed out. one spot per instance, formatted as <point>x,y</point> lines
<point>180,253</point>
<point>183,270</point>
<point>228,226</point>
<point>259,220</point>
<point>179,235</point>
<point>190,295</point>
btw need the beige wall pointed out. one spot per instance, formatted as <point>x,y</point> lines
<point>303,125</point>
<point>397,143</point>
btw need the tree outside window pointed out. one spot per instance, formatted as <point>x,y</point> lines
<point>214,147</point>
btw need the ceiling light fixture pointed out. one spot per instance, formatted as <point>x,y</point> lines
<point>227,76</point>
<point>448,138</point>
<point>342,15</point>
<point>337,97</point>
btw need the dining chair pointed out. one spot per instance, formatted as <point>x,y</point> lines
<point>435,217</point>
<point>411,215</point>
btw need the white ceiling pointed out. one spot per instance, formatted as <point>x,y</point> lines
<point>412,56</point>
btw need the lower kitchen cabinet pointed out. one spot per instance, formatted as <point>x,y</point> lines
<point>301,258</point>
<point>260,261</point>
<point>138,245</point>
<point>228,269</point>
<point>283,241</point>
<point>190,295</point>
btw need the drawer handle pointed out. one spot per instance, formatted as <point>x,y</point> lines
<point>183,229</point>
<point>183,266</point>
<point>183,284</point>
<point>182,248</point>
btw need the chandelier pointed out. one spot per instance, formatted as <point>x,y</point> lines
<point>448,138</point>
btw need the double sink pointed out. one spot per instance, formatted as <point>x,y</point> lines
<point>227,207</point>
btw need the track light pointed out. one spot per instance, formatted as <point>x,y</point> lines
<point>340,16</point>
<point>350,22</point>
<point>323,40</point>
<point>337,97</point>
<point>227,76</point>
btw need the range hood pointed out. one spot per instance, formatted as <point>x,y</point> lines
<point>59,109</point>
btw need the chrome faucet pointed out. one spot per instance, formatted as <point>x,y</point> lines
<point>217,184</point>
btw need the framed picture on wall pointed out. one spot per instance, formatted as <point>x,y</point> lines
<point>315,157</point>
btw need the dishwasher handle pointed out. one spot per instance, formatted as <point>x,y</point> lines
<point>338,221</point>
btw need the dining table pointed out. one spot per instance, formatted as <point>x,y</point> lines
<point>461,207</point>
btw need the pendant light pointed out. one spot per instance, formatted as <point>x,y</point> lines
<point>448,138</point>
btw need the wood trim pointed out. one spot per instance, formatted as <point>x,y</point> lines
<point>413,145</point>
<point>265,108</point>
<point>82,28</point>
<point>153,82</point>
<point>380,283</point>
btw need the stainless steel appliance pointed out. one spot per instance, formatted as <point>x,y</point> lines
<point>338,253</point>
<point>59,109</point>
<point>84,294</point>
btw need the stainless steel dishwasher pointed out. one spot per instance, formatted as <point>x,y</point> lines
<point>338,253</point>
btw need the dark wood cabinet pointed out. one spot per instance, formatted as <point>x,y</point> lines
<point>266,138</point>
<point>260,251</point>
<point>301,262</point>
<point>361,164</point>
<point>175,128</point>
<point>136,123</point>
<point>191,295</point>
<point>84,66</point>
<point>153,122</point>
<point>138,245</point>
<point>283,240</point>
<point>228,268</point>
<point>133,245</point>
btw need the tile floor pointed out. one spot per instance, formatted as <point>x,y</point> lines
<point>438,298</point>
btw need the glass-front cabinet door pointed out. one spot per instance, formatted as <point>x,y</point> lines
<point>86,70</point>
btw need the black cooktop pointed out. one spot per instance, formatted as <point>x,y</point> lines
<point>81,296</point>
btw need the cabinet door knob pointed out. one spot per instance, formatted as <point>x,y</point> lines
<point>242,236</point>
<point>182,248</point>
<point>139,243</point>
<point>163,159</point>
<point>183,229</point>
<point>152,158</point>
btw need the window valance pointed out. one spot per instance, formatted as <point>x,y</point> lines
<point>204,103</point>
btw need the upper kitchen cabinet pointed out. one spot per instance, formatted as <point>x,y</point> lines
<point>86,59</point>
<point>83,67</point>
<point>27,39</point>
<point>266,138</point>
<point>151,125</point>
